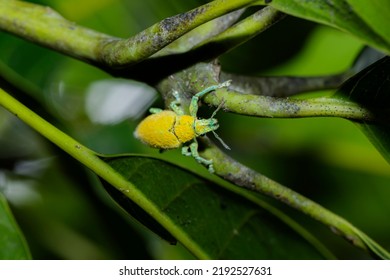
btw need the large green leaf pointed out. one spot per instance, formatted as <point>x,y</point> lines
<point>12,243</point>
<point>368,20</point>
<point>376,14</point>
<point>216,223</point>
<point>371,88</point>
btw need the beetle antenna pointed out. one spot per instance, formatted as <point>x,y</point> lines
<point>220,140</point>
<point>218,108</point>
<point>215,134</point>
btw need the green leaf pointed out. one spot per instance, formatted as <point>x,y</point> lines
<point>12,243</point>
<point>216,222</point>
<point>368,20</point>
<point>376,250</point>
<point>376,14</point>
<point>371,88</point>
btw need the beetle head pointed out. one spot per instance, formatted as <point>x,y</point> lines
<point>202,126</point>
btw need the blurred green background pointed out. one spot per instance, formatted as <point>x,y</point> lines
<point>60,206</point>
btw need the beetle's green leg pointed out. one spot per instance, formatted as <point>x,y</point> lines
<point>198,158</point>
<point>175,104</point>
<point>194,101</point>
<point>155,110</point>
<point>185,151</point>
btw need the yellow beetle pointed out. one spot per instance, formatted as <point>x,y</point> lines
<point>170,129</point>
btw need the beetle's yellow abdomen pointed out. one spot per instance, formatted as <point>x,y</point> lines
<point>156,130</point>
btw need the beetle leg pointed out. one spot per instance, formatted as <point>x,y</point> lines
<point>155,110</point>
<point>198,158</point>
<point>185,151</point>
<point>175,104</point>
<point>194,101</point>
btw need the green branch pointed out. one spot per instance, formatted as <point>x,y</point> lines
<point>164,47</point>
<point>203,75</point>
<point>175,58</point>
<point>46,27</point>
<point>283,86</point>
<point>144,44</point>
<point>200,34</point>
<point>240,33</point>
<point>272,107</point>
<point>214,46</point>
